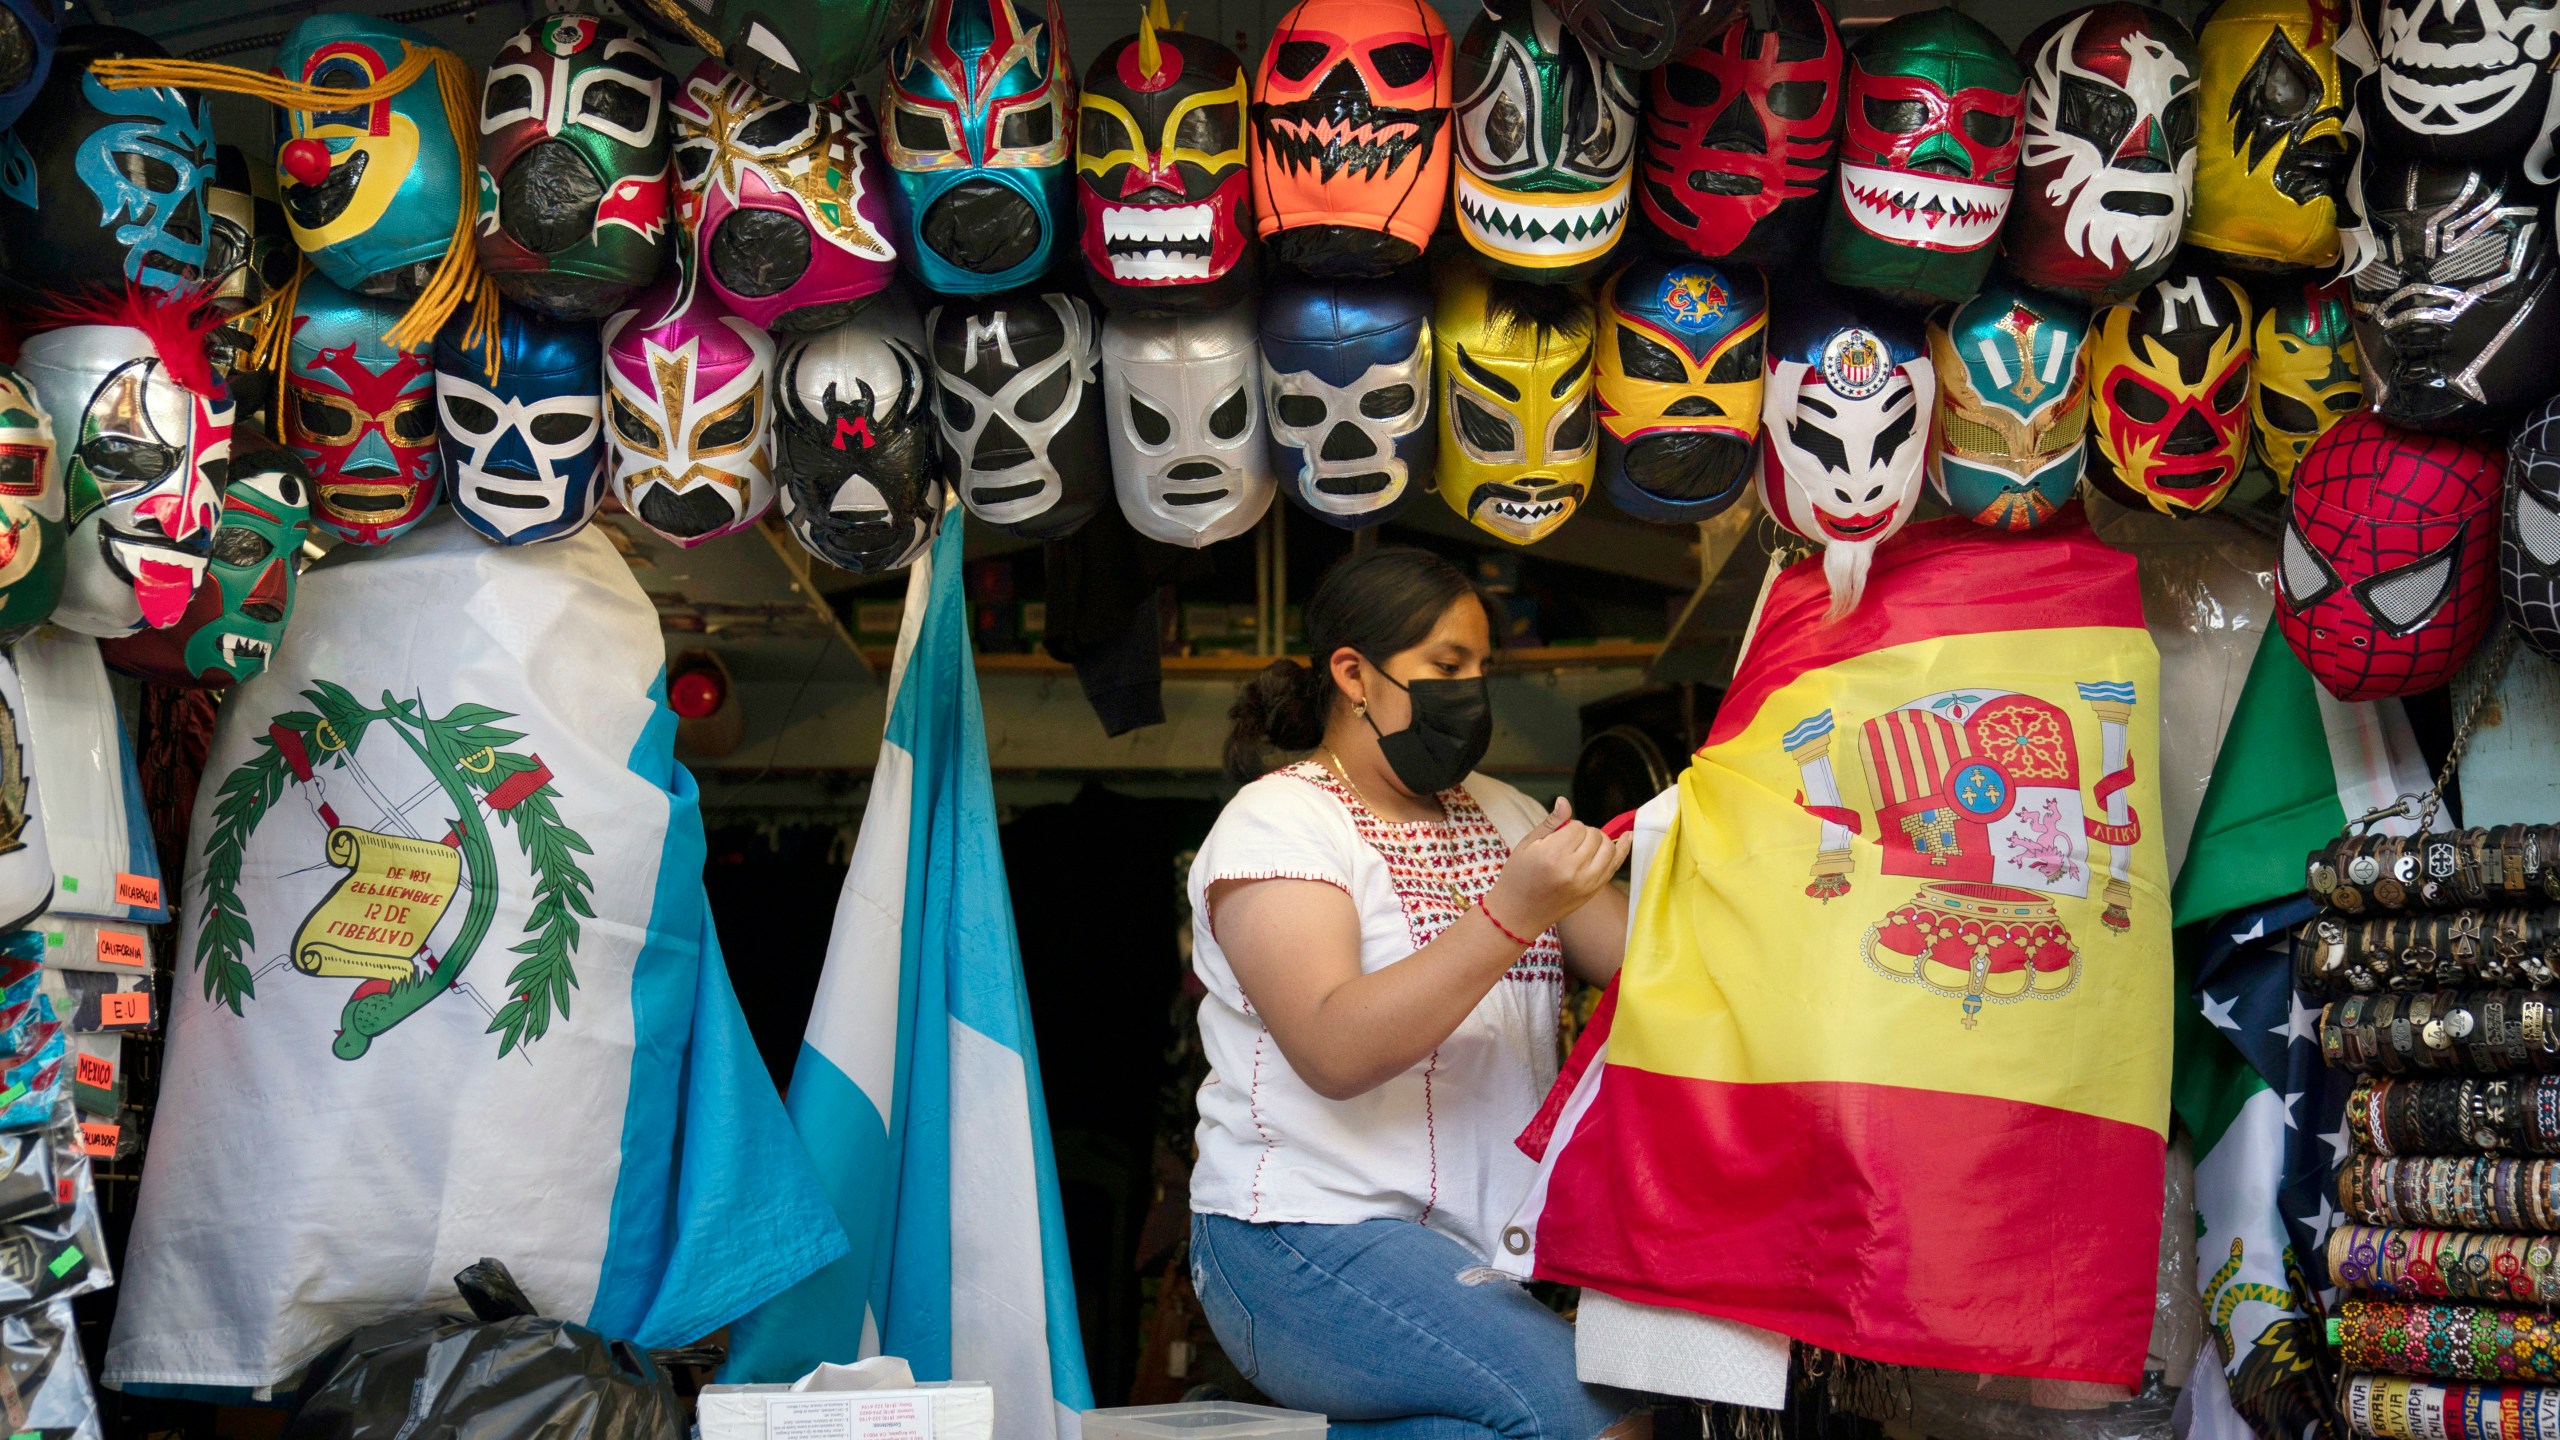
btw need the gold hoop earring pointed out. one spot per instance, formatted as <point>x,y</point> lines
<point>1360,709</point>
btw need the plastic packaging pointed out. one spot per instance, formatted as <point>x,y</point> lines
<point>1203,1420</point>
<point>49,1397</point>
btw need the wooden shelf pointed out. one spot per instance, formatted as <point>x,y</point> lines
<point>1621,653</point>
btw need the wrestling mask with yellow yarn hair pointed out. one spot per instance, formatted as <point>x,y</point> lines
<point>1513,368</point>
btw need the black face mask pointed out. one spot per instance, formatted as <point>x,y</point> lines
<point>1451,728</point>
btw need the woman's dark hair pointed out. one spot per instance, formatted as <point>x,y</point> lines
<point>1379,603</point>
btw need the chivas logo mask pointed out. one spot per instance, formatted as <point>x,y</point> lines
<point>2169,372</point>
<point>1019,385</point>
<point>2304,374</point>
<point>1346,389</point>
<point>574,202</point>
<point>2456,321</point>
<point>1184,393</point>
<point>784,201</point>
<point>2460,79</point>
<point>526,446</point>
<point>2110,152</point>
<point>1680,357</point>
<point>361,412</point>
<point>240,609</point>
<point>1546,146</point>
<point>2529,536</point>
<point>31,507</point>
<point>1739,134</point>
<point>1350,150</point>
<point>2273,151</point>
<point>28,35</point>
<point>857,467</point>
<point>685,404</point>
<point>2383,580</point>
<point>976,120</point>
<point>1160,164</point>
<point>1844,421</point>
<point>1513,366</point>
<point>102,188</point>
<point>1928,157</point>
<point>2013,406</point>
<point>389,177</point>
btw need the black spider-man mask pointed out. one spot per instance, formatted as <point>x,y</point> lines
<point>2529,539</point>
<point>1739,134</point>
<point>2455,315</point>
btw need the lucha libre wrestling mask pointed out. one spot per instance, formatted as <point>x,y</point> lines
<point>809,50</point>
<point>525,450</point>
<point>2273,150</point>
<point>371,192</point>
<point>1928,157</point>
<point>1513,365</point>
<point>102,188</point>
<point>2456,322</point>
<point>1844,421</point>
<point>2529,535</point>
<point>1546,146</point>
<point>1739,134</point>
<point>1680,382</point>
<point>1184,393</point>
<point>2304,374</point>
<point>574,199</point>
<point>2110,153</point>
<point>978,106</point>
<point>31,505</point>
<point>857,465</point>
<point>1642,34</point>
<point>2013,405</point>
<point>1160,159</point>
<point>2383,581</point>
<point>1019,384</point>
<point>2458,79</point>
<point>248,255</point>
<point>1346,390</point>
<point>685,402</point>
<point>1350,150</point>
<point>239,611</point>
<point>28,34</point>
<point>142,432</point>
<point>2169,383</point>
<point>361,412</point>
<point>784,201</point>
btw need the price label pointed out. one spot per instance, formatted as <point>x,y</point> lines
<point>97,1070</point>
<point>99,1138</point>
<point>64,1192</point>
<point>140,891</point>
<point>125,1007</point>
<point>122,947</point>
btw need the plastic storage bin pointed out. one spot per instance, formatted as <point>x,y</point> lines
<point>1202,1420</point>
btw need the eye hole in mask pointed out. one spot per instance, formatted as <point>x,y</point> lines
<point>469,416</point>
<point>1028,128</point>
<point>1896,117</point>
<point>1403,63</point>
<point>784,127</point>
<point>1384,403</point>
<point>618,108</point>
<point>1738,364</point>
<point>1303,411</point>
<point>122,462</point>
<point>509,98</point>
<point>2140,403</point>
<point>20,473</point>
<point>320,416</point>
<point>1989,129</point>
<point>1150,425</point>
<point>2094,112</point>
<point>1298,59</point>
<point>413,421</point>
<point>2406,598</point>
<point>2286,413</point>
<point>1485,432</point>
<point>560,429</point>
<point>635,428</point>
<point>239,546</point>
<point>729,428</point>
<point>1797,99</point>
<point>1227,421</point>
<point>1643,358</point>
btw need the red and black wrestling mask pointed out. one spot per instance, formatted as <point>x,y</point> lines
<point>1166,196</point>
<point>1739,134</point>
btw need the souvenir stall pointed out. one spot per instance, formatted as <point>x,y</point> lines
<point>573,566</point>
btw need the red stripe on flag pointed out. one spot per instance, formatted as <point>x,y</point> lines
<point>1534,1140</point>
<point>519,787</point>
<point>289,744</point>
<point>1915,1227</point>
<point>1943,577</point>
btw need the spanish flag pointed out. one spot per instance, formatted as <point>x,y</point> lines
<point>1887,1068</point>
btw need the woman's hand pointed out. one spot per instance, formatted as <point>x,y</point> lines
<point>1553,871</point>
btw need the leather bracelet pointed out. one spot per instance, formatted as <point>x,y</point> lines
<point>1506,930</point>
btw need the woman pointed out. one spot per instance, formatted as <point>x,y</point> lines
<point>1384,936</point>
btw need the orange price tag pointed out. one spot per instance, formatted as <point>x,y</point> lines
<point>122,947</point>
<point>97,1070</point>
<point>125,1007</point>
<point>99,1138</point>
<point>64,1191</point>
<point>138,890</point>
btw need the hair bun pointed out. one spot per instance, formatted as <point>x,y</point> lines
<point>1282,705</point>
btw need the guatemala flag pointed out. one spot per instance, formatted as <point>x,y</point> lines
<point>917,1091</point>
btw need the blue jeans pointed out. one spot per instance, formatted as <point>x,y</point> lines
<point>1368,1324</point>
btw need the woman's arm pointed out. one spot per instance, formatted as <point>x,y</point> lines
<point>1595,936</point>
<point>1295,948</point>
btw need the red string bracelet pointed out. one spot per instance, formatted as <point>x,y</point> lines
<point>1505,929</point>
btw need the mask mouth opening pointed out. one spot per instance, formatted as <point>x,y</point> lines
<point>698,511</point>
<point>548,201</point>
<point>312,207</point>
<point>757,253</point>
<point>1366,482</point>
<point>982,227</point>
<point>2137,202</point>
<point>1697,468</point>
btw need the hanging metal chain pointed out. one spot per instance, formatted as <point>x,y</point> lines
<point>2492,671</point>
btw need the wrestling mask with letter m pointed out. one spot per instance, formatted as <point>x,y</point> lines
<point>2169,380</point>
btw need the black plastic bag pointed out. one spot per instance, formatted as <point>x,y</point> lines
<point>500,1373</point>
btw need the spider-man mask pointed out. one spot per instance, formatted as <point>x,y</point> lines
<point>1546,146</point>
<point>2110,152</point>
<point>2383,583</point>
<point>2456,318</point>
<point>361,413</point>
<point>2304,374</point>
<point>1680,382</point>
<point>574,199</point>
<point>1844,420</point>
<point>977,110</point>
<point>1740,133</point>
<point>2169,377</point>
<point>784,202</point>
<point>2272,150</point>
<point>2013,405</point>
<point>1928,158</point>
<point>2529,536</point>
<point>1350,142</point>
<point>1160,161</point>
